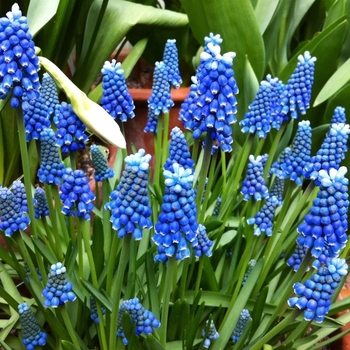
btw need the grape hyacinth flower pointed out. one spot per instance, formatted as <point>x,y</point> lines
<point>152,122</point>
<point>19,192</point>
<point>188,105</point>
<point>204,243</point>
<point>76,195</point>
<point>99,161</point>
<point>210,334</point>
<point>254,183</point>
<point>143,319</point>
<point>130,204</point>
<point>41,207</point>
<point>51,168</point>
<point>325,226</point>
<point>177,220</point>
<point>213,107</point>
<point>12,218</point>
<point>29,273</point>
<point>299,156</point>
<point>217,206</point>
<point>241,324</point>
<point>315,295</point>
<point>214,39</point>
<point>251,265</point>
<point>264,218</point>
<point>32,336</point>
<point>276,167</point>
<point>297,94</point>
<point>331,153</point>
<point>339,116</point>
<point>277,190</point>
<point>19,65</point>
<point>297,257</point>
<point>116,99</point>
<point>93,310</point>
<point>57,291</point>
<point>171,60</point>
<point>179,151</point>
<point>70,129</point>
<point>35,116</point>
<point>160,100</point>
<point>49,94</point>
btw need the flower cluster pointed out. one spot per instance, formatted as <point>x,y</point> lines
<point>204,243</point>
<point>143,320</point>
<point>209,335</point>
<point>251,265</point>
<point>51,168</point>
<point>277,190</point>
<point>241,324</point>
<point>49,94</point>
<point>177,220</point>
<point>19,192</point>
<point>276,167</point>
<point>325,225</point>
<point>179,151</point>
<point>331,153</point>
<point>102,171</point>
<point>130,204</point>
<point>116,99</point>
<point>254,183</point>
<point>171,60</point>
<point>339,116</point>
<point>93,310</point>
<point>19,65</point>
<point>76,195</point>
<point>70,129</point>
<point>297,93</point>
<point>217,206</point>
<point>40,204</point>
<point>314,296</point>
<point>12,218</point>
<point>264,218</point>
<point>35,116</point>
<point>57,291</point>
<point>213,104</point>
<point>31,333</point>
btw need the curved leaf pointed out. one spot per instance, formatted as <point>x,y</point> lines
<point>264,11</point>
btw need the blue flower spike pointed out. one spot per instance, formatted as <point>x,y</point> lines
<point>254,183</point>
<point>217,206</point>
<point>102,170</point>
<point>276,167</point>
<point>315,295</point>
<point>242,322</point>
<point>152,122</point>
<point>51,167</point>
<point>299,156</point>
<point>325,226</point>
<point>251,265</point>
<point>32,336</point>
<point>70,129</point>
<point>76,195</point>
<point>116,99</point>
<point>143,319</point>
<point>93,310</point>
<point>179,151</point>
<point>263,220</point>
<point>204,243</point>
<point>12,218</point>
<point>19,191</point>
<point>49,94</point>
<point>177,223</point>
<point>297,257</point>
<point>331,153</point>
<point>57,291</point>
<point>213,107</point>
<point>297,94</point>
<point>277,190</point>
<point>211,335</point>
<point>19,65</point>
<point>160,100</point>
<point>171,60</point>
<point>339,116</point>
<point>130,204</point>
<point>28,272</point>
<point>41,207</point>
<point>35,116</point>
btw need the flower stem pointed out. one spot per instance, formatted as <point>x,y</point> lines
<point>61,217</point>
<point>158,151</point>
<point>68,325</point>
<point>165,138</point>
<point>107,229</point>
<point>117,291</point>
<point>26,169</point>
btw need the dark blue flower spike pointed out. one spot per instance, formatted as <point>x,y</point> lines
<point>41,207</point>
<point>171,60</point>
<point>204,243</point>
<point>211,335</point>
<point>277,190</point>
<point>297,257</point>
<point>50,95</point>
<point>241,324</point>
<point>19,191</point>
<point>93,310</point>
<point>251,265</point>
<point>99,161</point>
<point>276,167</point>
<point>152,121</point>
<point>339,116</point>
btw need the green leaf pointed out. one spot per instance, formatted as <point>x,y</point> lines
<point>264,11</point>
<point>97,244</point>
<point>153,344</point>
<point>66,345</point>
<point>51,259</point>
<point>97,294</point>
<point>258,310</point>
<point>335,83</point>
<point>117,20</point>
<point>39,13</point>
<point>337,11</point>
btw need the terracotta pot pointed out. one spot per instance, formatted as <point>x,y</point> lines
<point>133,128</point>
